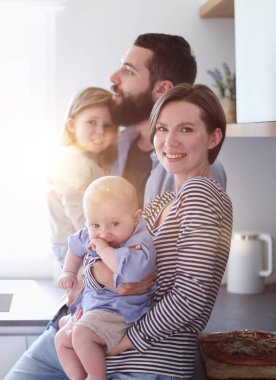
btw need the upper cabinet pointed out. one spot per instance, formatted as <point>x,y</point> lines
<point>255,41</point>
<point>217,9</point>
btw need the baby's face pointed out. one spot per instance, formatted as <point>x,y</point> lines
<point>111,221</point>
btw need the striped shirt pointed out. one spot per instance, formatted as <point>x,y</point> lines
<point>192,246</point>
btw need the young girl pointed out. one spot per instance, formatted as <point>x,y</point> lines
<point>87,152</point>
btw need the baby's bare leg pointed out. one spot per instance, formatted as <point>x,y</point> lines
<point>67,356</point>
<point>90,348</point>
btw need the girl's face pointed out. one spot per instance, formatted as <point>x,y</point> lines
<point>93,129</point>
<point>181,141</point>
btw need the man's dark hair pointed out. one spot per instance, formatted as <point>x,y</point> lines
<point>172,58</point>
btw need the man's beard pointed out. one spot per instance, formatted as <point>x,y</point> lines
<point>132,110</point>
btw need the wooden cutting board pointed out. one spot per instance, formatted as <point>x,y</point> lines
<point>219,370</point>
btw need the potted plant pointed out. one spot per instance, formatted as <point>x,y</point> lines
<point>226,84</point>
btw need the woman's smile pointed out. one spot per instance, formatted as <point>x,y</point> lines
<point>174,156</point>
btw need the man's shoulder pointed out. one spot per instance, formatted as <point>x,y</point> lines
<point>218,173</point>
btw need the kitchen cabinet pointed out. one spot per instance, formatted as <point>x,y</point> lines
<point>255,41</point>
<point>33,304</point>
<point>255,35</point>
<point>11,348</point>
<point>217,8</point>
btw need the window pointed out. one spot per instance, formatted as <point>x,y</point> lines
<point>27,130</point>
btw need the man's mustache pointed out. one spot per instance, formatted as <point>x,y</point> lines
<point>115,89</point>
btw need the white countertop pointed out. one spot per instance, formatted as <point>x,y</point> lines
<point>34,303</point>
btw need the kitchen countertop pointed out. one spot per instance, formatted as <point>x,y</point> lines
<point>26,306</point>
<point>35,302</point>
<point>238,312</point>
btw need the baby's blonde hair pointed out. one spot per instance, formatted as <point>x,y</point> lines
<point>111,188</point>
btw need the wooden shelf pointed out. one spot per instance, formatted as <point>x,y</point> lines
<point>217,9</point>
<point>264,129</point>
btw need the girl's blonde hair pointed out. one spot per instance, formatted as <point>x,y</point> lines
<point>82,100</point>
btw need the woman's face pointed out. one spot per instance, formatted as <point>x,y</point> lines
<point>181,140</point>
<point>93,128</point>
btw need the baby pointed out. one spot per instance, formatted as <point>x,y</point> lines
<point>116,233</point>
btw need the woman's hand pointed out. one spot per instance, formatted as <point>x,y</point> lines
<point>104,276</point>
<point>136,288</point>
<point>123,345</point>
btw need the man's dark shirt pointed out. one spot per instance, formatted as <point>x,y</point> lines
<point>138,168</point>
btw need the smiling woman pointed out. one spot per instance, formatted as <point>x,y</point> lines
<point>26,119</point>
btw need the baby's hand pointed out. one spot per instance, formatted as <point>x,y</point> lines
<point>68,280</point>
<point>98,244</point>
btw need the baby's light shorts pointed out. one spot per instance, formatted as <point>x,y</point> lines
<point>107,325</point>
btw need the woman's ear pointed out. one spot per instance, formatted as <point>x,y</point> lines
<point>70,123</point>
<point>160,88</point>
<point>215,138</point>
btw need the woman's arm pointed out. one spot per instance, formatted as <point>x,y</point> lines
<point>123,345</point>
<point>100,273</point>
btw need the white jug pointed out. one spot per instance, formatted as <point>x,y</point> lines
<point>245,268</point>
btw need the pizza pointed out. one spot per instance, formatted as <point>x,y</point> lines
<point>241,347</point>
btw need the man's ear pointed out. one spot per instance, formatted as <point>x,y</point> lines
<point>160,88</point>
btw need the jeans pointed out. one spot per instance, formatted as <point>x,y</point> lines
<point>40,361</point>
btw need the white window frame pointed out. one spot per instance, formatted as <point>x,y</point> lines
<point>27,95</point>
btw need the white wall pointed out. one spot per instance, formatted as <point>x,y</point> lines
<point>93,35</point>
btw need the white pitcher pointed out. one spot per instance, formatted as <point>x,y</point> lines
<point>246,273</point>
